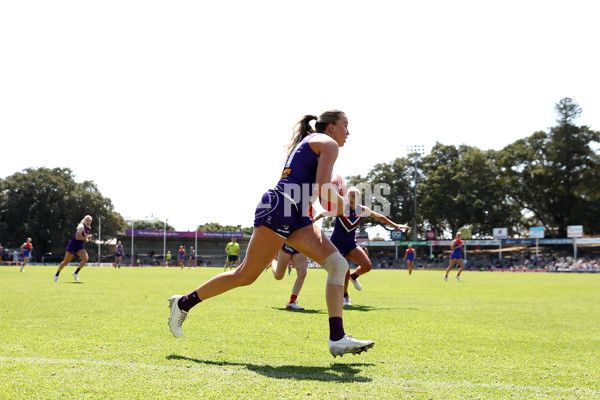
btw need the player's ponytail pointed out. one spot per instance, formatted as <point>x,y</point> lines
<point>303,128</point>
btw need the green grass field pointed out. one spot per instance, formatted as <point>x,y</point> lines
<point>495,335</point>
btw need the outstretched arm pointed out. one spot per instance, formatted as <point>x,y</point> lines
<point>367,212</point>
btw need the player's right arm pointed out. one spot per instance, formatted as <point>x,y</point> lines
<point>327,149</point>
<point>79,233</point>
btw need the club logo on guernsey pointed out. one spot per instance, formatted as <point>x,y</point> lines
<point>351,218</point>
<point>285,173</point>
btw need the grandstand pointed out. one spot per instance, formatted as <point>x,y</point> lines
<point>148,246</point>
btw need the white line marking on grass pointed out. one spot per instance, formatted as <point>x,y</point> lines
<point>504,386</point>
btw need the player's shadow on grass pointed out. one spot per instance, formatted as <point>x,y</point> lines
<point>364,308</point>
<point>299,311</point>
<point>336,372</point>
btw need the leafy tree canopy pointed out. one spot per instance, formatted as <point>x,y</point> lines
<point>47,205</point>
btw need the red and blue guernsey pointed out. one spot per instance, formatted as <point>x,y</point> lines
<point>410,254</point>
<point>77,244</point>
<point>283,209</point>
<point>457,253</point>
<point>27,250</point>
<point>344,232</point>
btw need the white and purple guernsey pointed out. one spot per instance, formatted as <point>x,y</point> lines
<point>344,232</point>
<point>75,244</point>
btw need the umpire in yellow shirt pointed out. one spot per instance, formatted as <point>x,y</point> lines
<point>233,251</point>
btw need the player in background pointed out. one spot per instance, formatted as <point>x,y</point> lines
<point>347,301</point>
<point>344,235</point>
<point>118,255</point>
<point>1,253</point>
<point>279,219</point>
<point>76,247</point>
<point>168,261</point>
<point>233,250</point>
<point>181,256</point>
<point>192,259</point>
<point>288,255</point>
<point>409,258</point>
<point>456,256</point>
<point>26,249</point>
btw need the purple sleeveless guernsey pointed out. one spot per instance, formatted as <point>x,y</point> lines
<point>284,208</point>
<point>344,232</point>
<point>75,245</point>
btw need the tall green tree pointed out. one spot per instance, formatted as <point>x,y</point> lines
<point>152,226</point>
<point>216,227</point>
<point>390,183</point>
<point>554,175</point>
<point>461,189</point>
<point>47,205</point>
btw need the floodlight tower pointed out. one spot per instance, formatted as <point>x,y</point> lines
<point>99,237</point>
<point>415,151</point>
<point>165,242</point>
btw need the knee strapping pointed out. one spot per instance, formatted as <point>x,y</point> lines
<point>336,267</point>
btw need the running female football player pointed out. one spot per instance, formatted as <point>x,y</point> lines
<point>344,234</point>
<point>192,258</point>
<point>456,256</point>
<point>26,253</point>
<point>76,247</point>
<point>409,258</point>
<point>181,256</point>
<point>118,255</point>
<point>281,217</point>
<point>288,255</point>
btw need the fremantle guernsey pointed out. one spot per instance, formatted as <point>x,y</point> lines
<point>75,244</point>
<point>283,209</point>
<point>344,232</point>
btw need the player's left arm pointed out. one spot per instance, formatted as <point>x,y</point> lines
<point>367,212</point>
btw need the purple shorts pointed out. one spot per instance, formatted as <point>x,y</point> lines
<point>289,250</point>
<point>280,214</point>
<point>345,247</point>
<point>75,245</point>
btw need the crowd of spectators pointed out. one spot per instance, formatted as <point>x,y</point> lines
<point>550,262</point>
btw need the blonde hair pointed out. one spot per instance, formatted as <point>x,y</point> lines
<point>352,189</point>
<point>87,217</point>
